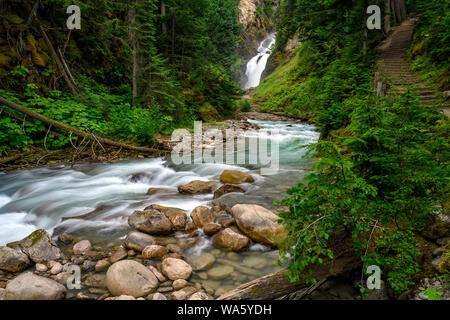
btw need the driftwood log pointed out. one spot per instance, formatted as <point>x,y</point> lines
<point>276,285</point>
<point>74,131</point>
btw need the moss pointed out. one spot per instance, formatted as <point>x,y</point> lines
<point>36,236</point>
<point>145,214</point>
<point>208,113</point>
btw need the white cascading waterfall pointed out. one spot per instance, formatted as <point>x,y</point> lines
<point>256,65</point>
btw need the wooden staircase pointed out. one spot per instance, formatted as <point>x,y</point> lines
<point>394,70</point>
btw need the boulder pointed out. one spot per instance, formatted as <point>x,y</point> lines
<point>227,188</point>
<point>82,247</point>
<point>176,269</point>
<point>176,216</point>
<point>197,187</point>
<point>202,216</point>
<point>39,247</point>
<point>154,252</point>
<point>28,286</point>
<point>130,278</point>
<point>137,241</point>
<point>201,262</point>
<point>235,177</point>
<point>230,240</point>
<point>211,229</point>
<point>13,261</point>
<point>258,223</point>
<point>150,221</point>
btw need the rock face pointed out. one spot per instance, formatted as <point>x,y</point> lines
<point>230,240</point>
<point>235,177</point>
<point>154,252</point>
<point>151,221</point>
<point>202,216</point>
<point>227,188</point>
<point>138,241</point>
<point>176,216</point>
<point>176,269</point>
<point>130,278</point>
<point>197,187</point>
<point>28,286</point>
<point>12,261</point>
<point>39,247</point>
<point>82,247</point>
<point>258,223</point>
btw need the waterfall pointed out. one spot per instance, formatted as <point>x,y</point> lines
<point>257,64</point>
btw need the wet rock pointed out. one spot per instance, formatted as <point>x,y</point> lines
<point>174,248</point>
<point>176,269</point>
<point>88,266</point>
<point>201,262</point>
<point>151,222</point>
<point>176,216</point>
<point>173,255</point>
<point>39,247</point>
<point>236,177</point>
<point>157,274</point>
<point>237,266</point>
<point>258,223</point>
<point>159,296</point>
<point>131,253</point>
<point>197,187</point>
<point>190,226</point>
<point>226,223</point>
<point>95,255</point>
<point>152,191</point>
<point>13,261</point>
<point>139,177</point>
<point>154,252</point>
<point>202,216</point>
<point>256,262</point>
<point>179,284</point>
<point>56,268</point>
<point>200,296</point>
<point>183,294</point>
<point>231,240</point>
<point>228,188</point>
<point>102,265</point>
<point>118,254</point>
<point>96,280</point>
<point>130,278</point>
<point>220,272</point>
<point>82,247</point>
<point>211,229</point>
<point>65,238</point>
<point>28,286</point>
<point>62,278</point>
<point>41,267</point>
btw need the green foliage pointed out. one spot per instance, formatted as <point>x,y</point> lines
<point>245,105</point>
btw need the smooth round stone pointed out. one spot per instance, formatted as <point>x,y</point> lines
<point>255,262</point>
<point>233,256</point>
<point>220,272</point>
<point>202,262</point>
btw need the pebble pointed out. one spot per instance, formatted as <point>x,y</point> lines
<point>41,267</point>
<point>179,284</point>
<point>56,269</point>
<point>159,296</point>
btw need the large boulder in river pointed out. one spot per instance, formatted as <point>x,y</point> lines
<point>137,241</point>
<point>202,216</point>
<point>227,188</point>
<point>39,247</point>
<point>150,221</point>
<point>177,216</point>
<point>130,278</point>
<point>28,286</point>
<point>197,187</point>
<point>230,240</point>
<point>258,223</point>
<point>235,177</point>
<point>13,261</point>
<point>176,269</point>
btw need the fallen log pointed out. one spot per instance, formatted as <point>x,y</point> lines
<point>276,285</point>
<point>76,132</point>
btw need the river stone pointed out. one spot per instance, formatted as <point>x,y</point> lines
<point>150,221</point>
<point>41,267</point>
<point>96,280</point>
<point>82,247</point>
<point>255,262</point>
<point>131,278</point>
<point>176,216</point>
<point>235,177</point>
<point>202,216</point>
<point>227,188</point>
<point>197,187</point>
<point>201,262</point>
<point>102,265</point>
<point>137,241</point>
<point>220,272</point>
<point>13,261</point>
<point>159,296</point>
<point>258,223</point>
<point>211,229</point>
<point>158,274</point>
<point>56,268</point>
<point>152,191</point>
<point>154,252</point>
<point>29,286</point>
<point>183,294</point>
<point>179,284</point>
<point>200,296</point>
<point>231,240</point>
<point>39,247</point>
<point>118,254</point>
<point>176,269</point>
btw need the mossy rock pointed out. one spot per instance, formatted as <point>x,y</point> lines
<point>208,113</point>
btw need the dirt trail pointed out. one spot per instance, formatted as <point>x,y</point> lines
<point>395,70</point>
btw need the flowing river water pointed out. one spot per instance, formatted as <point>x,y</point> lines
<point>41,198</point>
